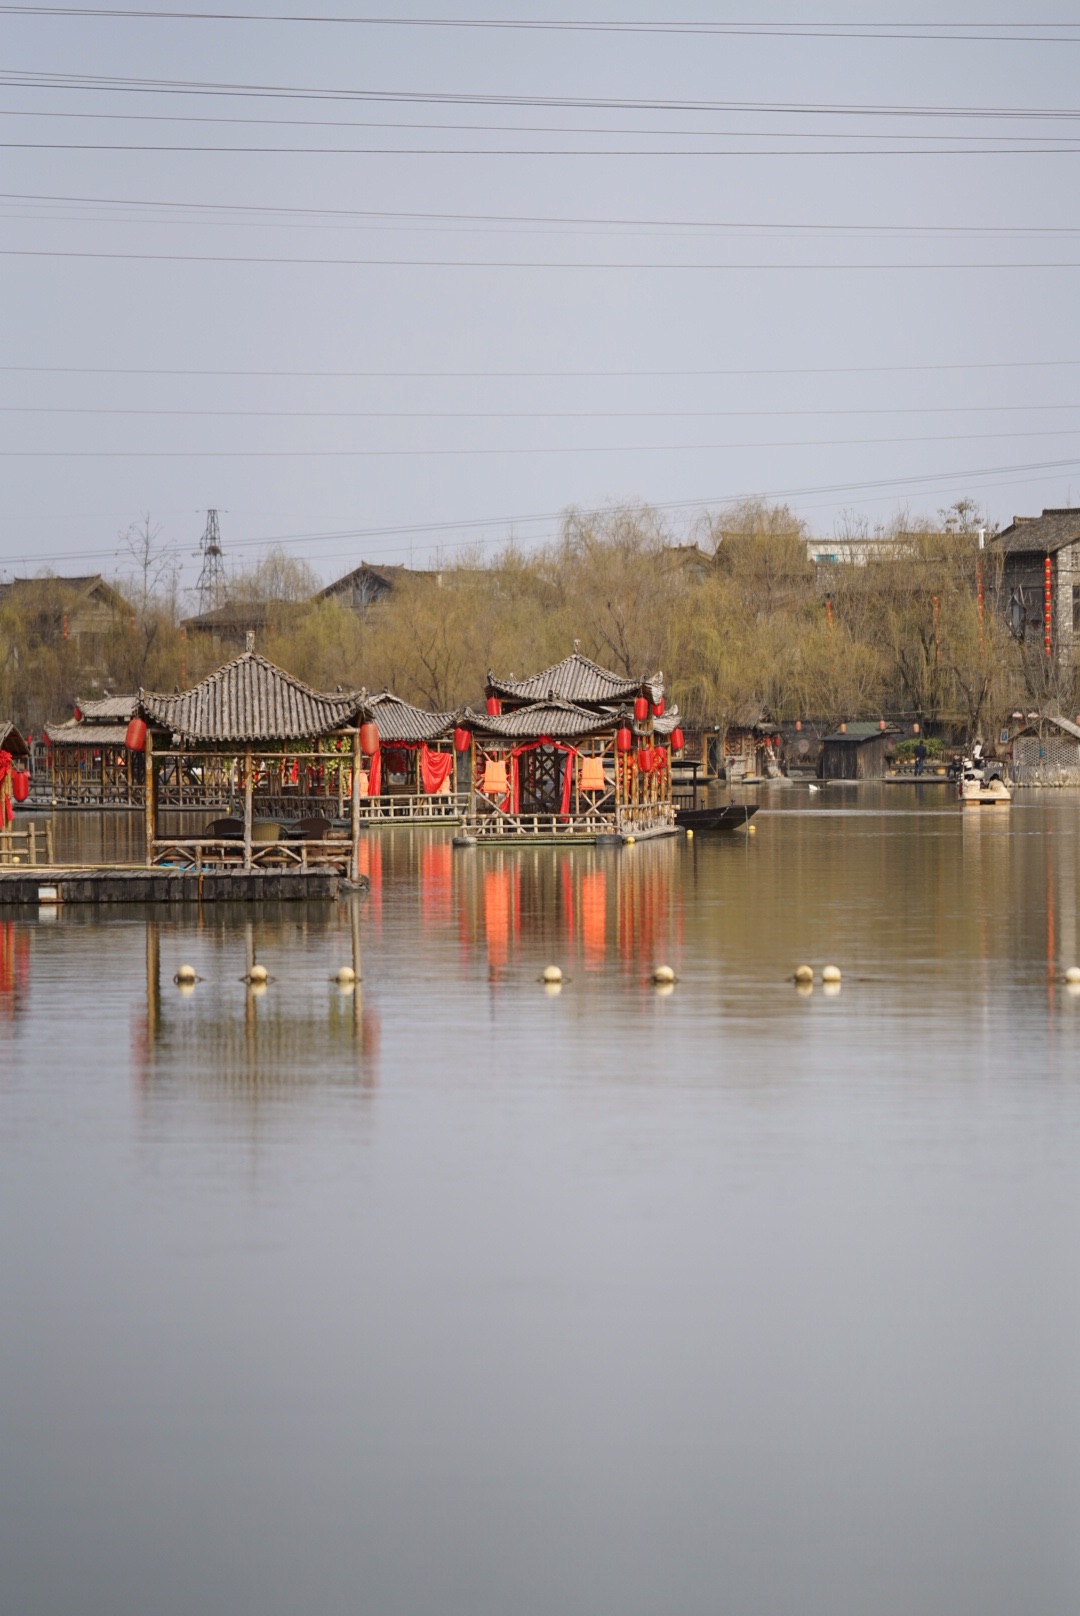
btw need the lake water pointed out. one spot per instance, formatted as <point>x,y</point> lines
<point>457,1296</point>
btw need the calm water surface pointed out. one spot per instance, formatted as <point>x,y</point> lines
<point>453,1296</point>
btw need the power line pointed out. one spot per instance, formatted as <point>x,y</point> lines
<point>532,450</point>
<point>607,266</point>
<point>278,209</point>
<point>539,151</point>
<point>935,32</point>
<point>554,375</point>
<point>525,415</point>
<point>25,78</point>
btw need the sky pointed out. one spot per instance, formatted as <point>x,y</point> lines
<point>378,290</point>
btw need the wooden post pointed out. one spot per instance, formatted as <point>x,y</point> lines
<point>247,809</point>
<point>149,805</point>
<point>49,844</point>
<point>354,816</point>
<point>31,842</point>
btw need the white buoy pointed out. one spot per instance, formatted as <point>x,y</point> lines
<point>804,973</point>
<point>1073,974</point>
<point>552,973</point>
<point>689,836</point>
<point>629,841</point>
<point>186,973</point>
<point>831,973</point>
<point>751,829</point>
<point>258,973</point>
<point>663,974</point>
<point>346,977</point>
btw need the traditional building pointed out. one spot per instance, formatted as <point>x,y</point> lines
<point>1041,579</point>
<point>84,610</point>
<point>856,751</point>
<point>413,775</point>
<point>284,759</point>
<point>87,763</point>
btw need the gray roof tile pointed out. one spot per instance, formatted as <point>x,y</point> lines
<point>576,679</point>
<point>1041,535</point>
<point>249,699</point>
<point>399,720</point>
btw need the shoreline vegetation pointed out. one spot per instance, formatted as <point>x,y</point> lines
<point>736,614</point>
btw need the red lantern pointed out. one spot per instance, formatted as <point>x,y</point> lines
<point>494,707</point>
<point>135,739</point>
<point>644,759</point>
<point>20,784</point>
<point>658,708</point>
<point>641,709</point>
<point>623,740</point>
<point>369,738</point>
<point>461,740</point>
<point>678,740</point>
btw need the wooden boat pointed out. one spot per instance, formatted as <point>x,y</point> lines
<point>731,816</point>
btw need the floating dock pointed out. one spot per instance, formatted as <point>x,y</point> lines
<point>45,886</point>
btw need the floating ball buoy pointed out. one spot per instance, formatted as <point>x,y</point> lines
<point>186,973</point>
<point>346,977</point>
<point>258,973</point>
<point>831,973</point>
<point>804,973</point>
<point>1073,974</point>
<point>663,975</point>
<point>630,840</point>
<point>552,973</point>
<point>689,836</point>
<point>751,830</point>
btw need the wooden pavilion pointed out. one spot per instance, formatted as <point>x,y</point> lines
<point>578,680</point>
<point>88,762</point>
<point>413,776</point>
<point>558,771</point>
<point>269,747</point>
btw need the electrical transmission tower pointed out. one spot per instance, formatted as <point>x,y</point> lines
<point>211,585</point>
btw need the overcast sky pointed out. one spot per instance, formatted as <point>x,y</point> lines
<point>617,265</point>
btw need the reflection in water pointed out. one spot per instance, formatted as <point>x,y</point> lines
<point>227,1031</point>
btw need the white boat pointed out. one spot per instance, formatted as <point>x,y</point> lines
<point>981,783</point>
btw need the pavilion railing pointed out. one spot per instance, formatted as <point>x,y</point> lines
<point>208,853</point>
<point>450,805</point>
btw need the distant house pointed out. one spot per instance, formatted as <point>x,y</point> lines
<point>1046,752</point>
<point>856,751</point>
<point>367,584</point>
<point>84,610</point>
<point>1041,567</point>
<point>233,622</point>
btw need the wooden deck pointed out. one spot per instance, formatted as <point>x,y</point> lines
<point>46,887</point>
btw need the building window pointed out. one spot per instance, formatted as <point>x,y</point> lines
<point>1076,608</point>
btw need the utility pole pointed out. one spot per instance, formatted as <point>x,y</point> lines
<point>211,585</point>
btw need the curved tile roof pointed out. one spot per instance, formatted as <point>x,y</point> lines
<point>108,709</point>
<point>399,720</point>
<point>576,679</point>
<point>249,699</point>
<point>560,719</point>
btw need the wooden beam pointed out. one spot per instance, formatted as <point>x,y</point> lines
<point>247,809</point>
<point>150,804</point>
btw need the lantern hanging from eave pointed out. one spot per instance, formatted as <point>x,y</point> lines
<point>658,708</point>
<point>494,707</point>
<point>20,784</point>
<point>369,738</point>
<point>135,739</point>
<point>623,740</point>
<point>462,738</point>
<point>644,759</point>
<point>641,709</point>
<point>678,740</point>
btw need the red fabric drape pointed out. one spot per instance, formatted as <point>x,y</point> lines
<point>435,768</point>
<point>374,779</point>
<point>5,770</point>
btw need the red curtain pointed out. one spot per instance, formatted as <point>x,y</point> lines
<point>5,770</point>
<point>568,772</point>
<point>374,779</point>
<point>435,768</point>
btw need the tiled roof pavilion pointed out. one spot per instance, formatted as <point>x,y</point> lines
<point>251,700</point>
<point>579,680</point>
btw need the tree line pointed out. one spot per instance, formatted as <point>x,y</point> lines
<point>734,612</point>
